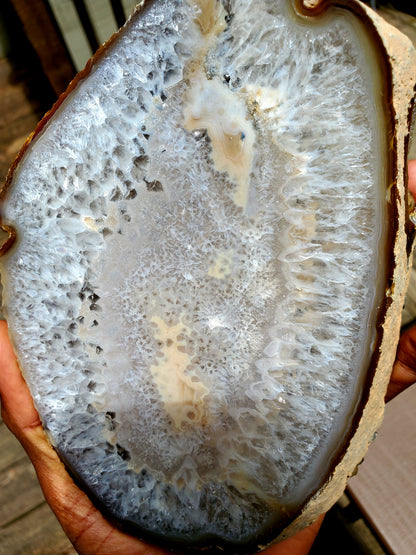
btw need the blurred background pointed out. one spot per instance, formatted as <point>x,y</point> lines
<point>43,43</point>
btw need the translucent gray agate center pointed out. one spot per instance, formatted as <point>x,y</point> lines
<point>191,289</point>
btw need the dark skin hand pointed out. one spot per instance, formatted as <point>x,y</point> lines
<point>85,526</point>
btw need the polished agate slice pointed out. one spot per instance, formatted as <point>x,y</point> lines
<point>209,261</point>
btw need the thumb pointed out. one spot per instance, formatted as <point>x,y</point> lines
<point>404,369</point>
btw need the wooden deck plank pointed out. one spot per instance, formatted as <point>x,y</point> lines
<point>20,492</point>
<point>46,39</point>
<point>385,486</point>
<point>18,115</point>
<point>27,524</point>
<point>11,451</point>
<point>25,93</point>
<point>35,533</point>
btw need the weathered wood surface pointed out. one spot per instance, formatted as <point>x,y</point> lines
<point>25,92</point>
<point>19,486</point>
<point>385,484</point>
<point>11,452</point>
<point>27,524</point>
<point>18,117</point>
<point>46,39</point>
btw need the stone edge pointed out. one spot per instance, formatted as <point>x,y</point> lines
<point>402,58</point>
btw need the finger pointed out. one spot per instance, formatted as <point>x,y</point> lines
<point>300,544</point>
<point>85,526</point>
<point>17,407</point>
<point>404,369</point>
<point>411,167</point>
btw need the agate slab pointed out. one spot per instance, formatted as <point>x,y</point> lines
<point>207,258</point>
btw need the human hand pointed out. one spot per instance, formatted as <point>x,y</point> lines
<point>85,526</point>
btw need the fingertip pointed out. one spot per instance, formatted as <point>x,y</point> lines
<point>299,544</point>
<point>6,349</point>
<point>407,348</point>
<point>404,369</point>
<point>412,177</point>
<point>18,410</point>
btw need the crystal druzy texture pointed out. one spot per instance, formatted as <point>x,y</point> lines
<point>194,287</point>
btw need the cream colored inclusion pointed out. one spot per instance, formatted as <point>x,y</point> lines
<point>265,97</point>
<point>222,266</point>
<point>210,16</point>
<point>182,393</point>
<point>110,221</point>
<point>211,105</point>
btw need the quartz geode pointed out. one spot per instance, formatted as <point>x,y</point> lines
<point>208,263</point>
